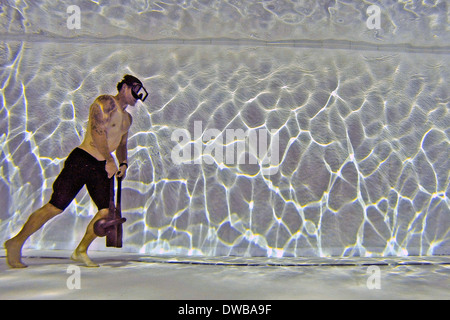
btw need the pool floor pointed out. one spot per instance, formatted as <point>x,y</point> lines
<point>51,275</point>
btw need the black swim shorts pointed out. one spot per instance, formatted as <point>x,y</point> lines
<point>80,168</point>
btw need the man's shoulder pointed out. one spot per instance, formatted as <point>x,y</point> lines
<point>130,117</point>
<point>105,98</point>
<point>106,102</point>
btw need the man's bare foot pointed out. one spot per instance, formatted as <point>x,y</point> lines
<point>14,254</point>
<point>83,257</point>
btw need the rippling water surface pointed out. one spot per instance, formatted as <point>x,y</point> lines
<point>363,159</point>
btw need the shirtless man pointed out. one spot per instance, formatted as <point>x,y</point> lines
<point>90,164</point>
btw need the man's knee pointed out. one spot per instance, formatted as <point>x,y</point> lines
<point>103,213</point>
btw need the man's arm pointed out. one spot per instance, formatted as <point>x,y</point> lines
<point>122,151</point>
<point>121,154</point>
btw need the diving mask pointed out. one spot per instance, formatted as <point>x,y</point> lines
<point>139,92</point>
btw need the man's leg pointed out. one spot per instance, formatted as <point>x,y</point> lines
<point>99,186</point>
<point>35,222</point>
<point>80,253</point>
